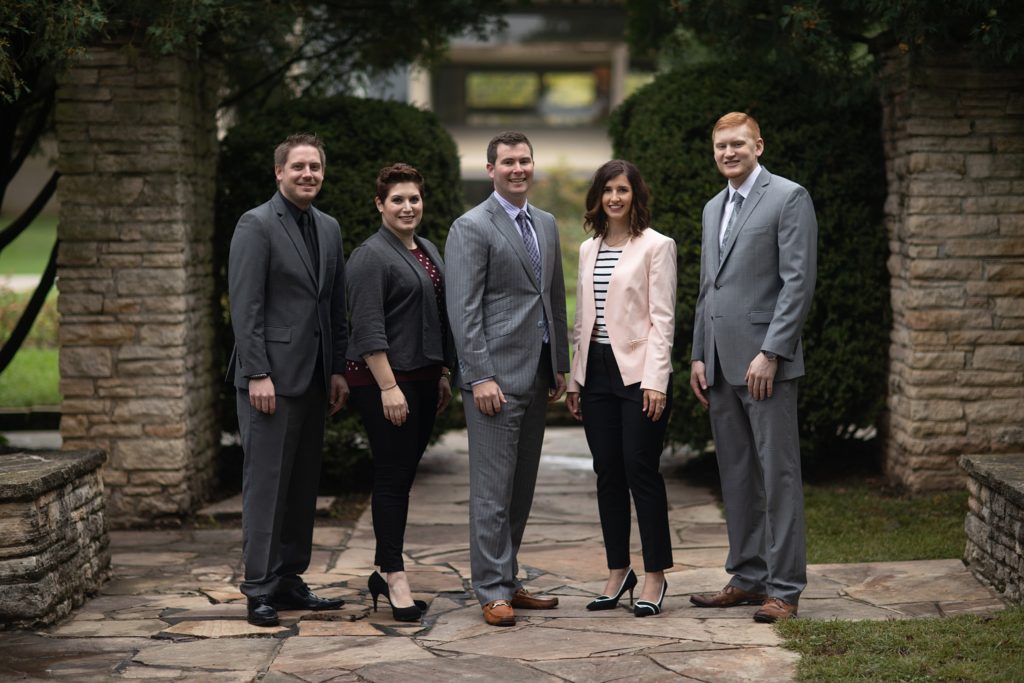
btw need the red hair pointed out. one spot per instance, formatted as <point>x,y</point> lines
<point>737,118</point>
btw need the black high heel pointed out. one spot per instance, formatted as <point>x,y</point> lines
<point>646,608</point>
<point>379,586</point>
<point>612,601</point>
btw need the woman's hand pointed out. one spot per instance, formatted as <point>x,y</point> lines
<point>654,404</point>
<point>444,393</point>
<point>396,408</point>
<point>572,402</point>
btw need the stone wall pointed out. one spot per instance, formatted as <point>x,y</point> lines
<point>995,521</point>
<point>54,548</point>
<point>954,144</point>
<point>137,146</point>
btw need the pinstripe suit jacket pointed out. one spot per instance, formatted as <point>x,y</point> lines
<point>758,296</point>
<point>496,306</point>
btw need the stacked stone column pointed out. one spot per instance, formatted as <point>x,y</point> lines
<point>137,147</point>
<point>954,139</point>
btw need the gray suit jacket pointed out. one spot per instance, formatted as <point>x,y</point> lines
<point>497,307</point>
<point>759,296</point>
<point>283,306</point>
<point>393,304</point>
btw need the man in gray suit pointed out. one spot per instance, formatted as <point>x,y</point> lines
<point>506,302</point>
<point>758,267</point>
<point>286,282</point>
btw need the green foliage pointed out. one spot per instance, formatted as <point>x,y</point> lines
<point>835,152</point>
<point>959,648</point>
<point>360,136</point>
<point>832,36</point>
<point>43,334</point>
<point>860,520</point>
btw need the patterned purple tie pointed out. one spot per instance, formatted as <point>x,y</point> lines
<point>523,221</point>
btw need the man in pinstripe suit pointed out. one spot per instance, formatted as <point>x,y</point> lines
<point>506,302</point>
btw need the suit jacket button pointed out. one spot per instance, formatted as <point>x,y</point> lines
<point>316,333</point>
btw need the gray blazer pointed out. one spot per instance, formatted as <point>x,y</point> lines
<point>496,305</point>
<point>759,296</point>
<point>393,306</point>
<point>283,306</point>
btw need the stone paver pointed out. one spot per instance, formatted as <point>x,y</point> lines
<point>172,610</point>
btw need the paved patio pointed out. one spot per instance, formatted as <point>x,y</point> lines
<point>172,610</point>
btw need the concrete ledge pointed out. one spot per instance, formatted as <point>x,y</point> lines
<point>995,521</point>
<point>24,476</point>
<point>54,548</point>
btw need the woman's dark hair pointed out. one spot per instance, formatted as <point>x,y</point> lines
<point>639,215</point>
<point>394,174</point>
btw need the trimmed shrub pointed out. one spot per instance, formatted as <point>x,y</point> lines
<point>360,137</point>
<point>829,142</point>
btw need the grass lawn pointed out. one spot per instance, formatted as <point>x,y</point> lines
<point>859,520</point>
<point>962,648</point>
<point>32,379</point>
<point>28,254</point>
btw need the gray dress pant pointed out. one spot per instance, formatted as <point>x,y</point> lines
<point>758,449</point>
<point>504,454</point>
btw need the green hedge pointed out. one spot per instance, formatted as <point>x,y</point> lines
<point>360,136</point>
<point>829,142</point>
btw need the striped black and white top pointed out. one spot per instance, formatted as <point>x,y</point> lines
<point>606,260</point>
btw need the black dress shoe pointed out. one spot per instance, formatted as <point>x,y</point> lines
<point>260,612</point>
<point>300,597</point>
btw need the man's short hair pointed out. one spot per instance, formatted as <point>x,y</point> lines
<point>282,151</point>
<point>734,119</point>
<point>510,138</point>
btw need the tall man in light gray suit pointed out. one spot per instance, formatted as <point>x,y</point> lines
<point>286,283</point>
<point>758,267</point>
<point>506,301</point>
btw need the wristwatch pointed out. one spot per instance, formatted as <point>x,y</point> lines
<point>769,355</point>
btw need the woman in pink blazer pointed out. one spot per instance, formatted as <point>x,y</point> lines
<point>621,380</point>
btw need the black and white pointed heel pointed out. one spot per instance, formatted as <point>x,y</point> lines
<point>645,608</point>
<point>611,601</point>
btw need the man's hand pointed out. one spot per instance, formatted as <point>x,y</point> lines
<point>488,397</point>
<point>572,402</point>
<point>339,393</point>
<point>760,376</point>
<point>444,394</point>
<point>699,382</point>
<point>556,392</point>
<point>261,395</point>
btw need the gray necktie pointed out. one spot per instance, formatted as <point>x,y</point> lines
<point>737,199</point>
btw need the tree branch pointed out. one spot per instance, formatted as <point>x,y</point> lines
<point>29,214</point>
<point>28,316</point>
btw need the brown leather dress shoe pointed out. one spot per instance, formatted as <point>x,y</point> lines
<point>523,600</point>
<point>730,596</point>
<point>774,609</point>
<point>499,613</point>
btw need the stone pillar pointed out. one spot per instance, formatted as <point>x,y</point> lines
<point>954,144</point>
<point>137,154</point>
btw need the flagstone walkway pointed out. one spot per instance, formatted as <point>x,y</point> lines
<point>172,610</point>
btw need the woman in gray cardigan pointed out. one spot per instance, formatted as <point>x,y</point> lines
<point>400,352</point>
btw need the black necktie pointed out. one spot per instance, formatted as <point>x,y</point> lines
<point>306,228</point>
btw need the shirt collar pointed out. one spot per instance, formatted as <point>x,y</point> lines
<point>747,185</point>
<point>294,210</point>
<point>511,209</point>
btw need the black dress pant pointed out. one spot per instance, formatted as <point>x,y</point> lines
<point>396,453</point>
<point>626,446</point>
<point>280,477</point>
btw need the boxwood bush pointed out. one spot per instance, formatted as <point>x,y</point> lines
<point>360,136</point>
<point>824,137</point>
